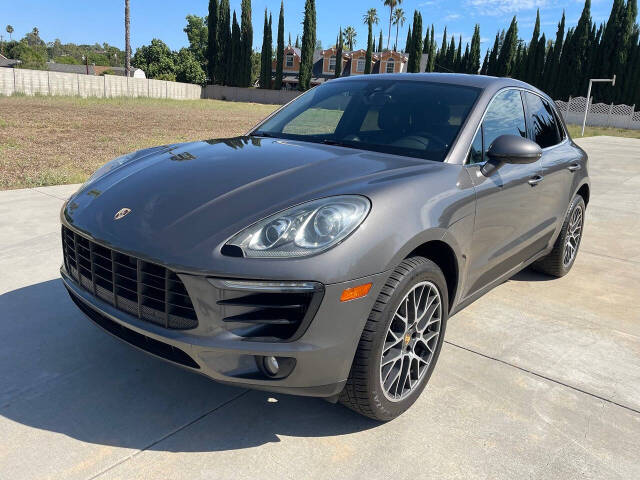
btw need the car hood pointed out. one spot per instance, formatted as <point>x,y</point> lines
<point>187,199</point>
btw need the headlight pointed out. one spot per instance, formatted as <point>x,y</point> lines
<point>305,229</point>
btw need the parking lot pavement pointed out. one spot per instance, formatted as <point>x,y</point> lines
<point>538,379</point>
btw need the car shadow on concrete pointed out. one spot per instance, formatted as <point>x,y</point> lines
<point>530,275</point>
<point>61,373</point>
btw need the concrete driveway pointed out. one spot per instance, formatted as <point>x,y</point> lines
<point>538,379</point>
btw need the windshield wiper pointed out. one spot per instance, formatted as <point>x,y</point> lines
<point>338,143</point>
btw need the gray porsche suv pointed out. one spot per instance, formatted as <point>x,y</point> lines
<point>322,253</point>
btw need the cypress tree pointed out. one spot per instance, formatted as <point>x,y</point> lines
<point>530,60</point>
<point>407,47</point>
<point>609,39</point>
<point>413,66</point>
<point>458,59</point>
<point>451,55</point>
<point>224,44</point>
<point>308,45</point>
<point>508,49</point>
<point>578,49</point>
<point>441,59</point>
<point>464,61</point>
<point>551,72</point>
<point>370,45</point>
<point>236,53</point>
<point>538,65</point>
<point>431,65</point>
<point>426,43</point>
<point>290,44</point>
<point>280,50</point>
<point>263,53</point>
<point>492,62</point>
<point>339,47</point>
<point>380,42</point>
<point>212,40</point>
<point>474,53</point>
<point>297,41</point>
<point>485,64</point>
<point>246,42</point>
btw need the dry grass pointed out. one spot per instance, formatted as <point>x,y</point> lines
<point>576,132</point>
<point>55,140</point>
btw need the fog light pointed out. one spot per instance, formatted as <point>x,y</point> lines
<point>271,365</point>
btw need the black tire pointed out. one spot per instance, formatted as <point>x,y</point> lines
<point>363,391</point>
<point>554,263</point>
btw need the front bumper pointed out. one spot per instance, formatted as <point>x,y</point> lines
<point>322,354</point>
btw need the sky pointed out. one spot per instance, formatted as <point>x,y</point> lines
<point>88,22</point>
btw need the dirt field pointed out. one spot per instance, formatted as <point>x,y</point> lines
<point>56,140</point>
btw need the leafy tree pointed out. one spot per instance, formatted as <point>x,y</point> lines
<point>246,39</point>
<point>350,35</point>
<point>398,20</point>
<point>188,68</point>
<point>198,35</point>
<point>280,48</point>
<point>212,41</point>
<point>370,18</point>
<point>67,60</point>
<point>308,44</point>
<point>157,60</point>
<point>9,30</point>
<point>392,4</point>
<point>223,73</point>
<point>31,57</point>
<point>339,46</point>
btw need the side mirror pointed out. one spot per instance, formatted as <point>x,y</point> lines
<point>514,149</point>
<point>510,149</point>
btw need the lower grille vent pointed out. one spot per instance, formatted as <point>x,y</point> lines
<point>142,289</point>
<point>274,315</point>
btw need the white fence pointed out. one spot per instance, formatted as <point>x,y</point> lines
<point>600,114</point>
<point>43,82</point>
<point>255,95</point>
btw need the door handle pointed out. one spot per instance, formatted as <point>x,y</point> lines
<point>533,181</point>
<point>574,167</point>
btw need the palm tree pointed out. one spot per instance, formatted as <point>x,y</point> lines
<point>392,4</point>
<point>398,21</point>
<point>350,35</point>
<point>9,31</point>
<point>127,39</point>
<point>371,17</point>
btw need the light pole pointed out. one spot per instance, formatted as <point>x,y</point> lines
<point>591,81</point>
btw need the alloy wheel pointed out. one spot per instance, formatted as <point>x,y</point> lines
<point>411,341</point>
<point>574,232</point>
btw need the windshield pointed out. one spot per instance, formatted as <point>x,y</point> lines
<point>416,119</point>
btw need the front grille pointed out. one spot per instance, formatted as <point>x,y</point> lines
<point>145,290</point>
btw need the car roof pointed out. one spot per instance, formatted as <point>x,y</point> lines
<point>470,80</point>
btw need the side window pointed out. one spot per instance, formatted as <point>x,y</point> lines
<point>542,122</point>
<point>505,116</point>
<point>475,153</point>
